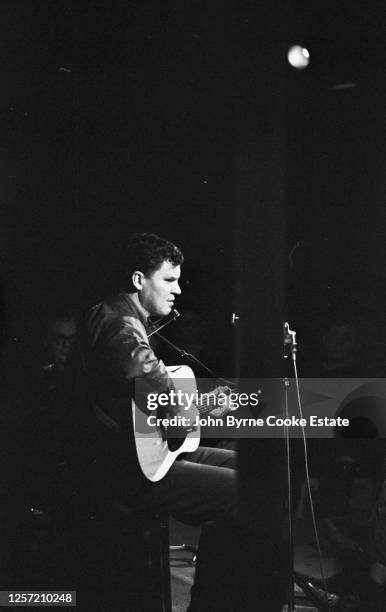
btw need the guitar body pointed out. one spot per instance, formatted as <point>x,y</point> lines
<point>154,455</point>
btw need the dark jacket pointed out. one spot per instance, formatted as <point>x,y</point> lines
<point>117,351</point>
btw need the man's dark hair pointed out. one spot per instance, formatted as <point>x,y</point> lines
<point>146,253</point>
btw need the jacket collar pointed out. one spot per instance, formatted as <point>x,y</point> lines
<point>139,311</point>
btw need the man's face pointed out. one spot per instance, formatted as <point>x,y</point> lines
<point>61,340</point>
<point>159,290</point>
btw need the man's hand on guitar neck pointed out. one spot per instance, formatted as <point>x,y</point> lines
<point>225,408</point>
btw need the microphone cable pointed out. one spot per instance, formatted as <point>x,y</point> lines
<point>308,479</point>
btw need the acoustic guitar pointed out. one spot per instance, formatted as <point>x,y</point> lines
<point>156,445</point>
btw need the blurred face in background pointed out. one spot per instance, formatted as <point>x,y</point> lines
<point>341,344</point>
<point>60,340</point>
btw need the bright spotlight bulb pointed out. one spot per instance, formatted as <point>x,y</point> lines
<point>298,57</point>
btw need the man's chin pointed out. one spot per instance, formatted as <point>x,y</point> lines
<point>164,312</point>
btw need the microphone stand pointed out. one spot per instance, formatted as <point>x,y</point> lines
<point>184,354</point>
<point>193,359</point>
<point>289,346</point>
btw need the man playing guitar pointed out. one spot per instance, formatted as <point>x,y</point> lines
<point>198,489</point>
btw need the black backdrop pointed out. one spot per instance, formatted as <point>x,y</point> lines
<point>184,118</point>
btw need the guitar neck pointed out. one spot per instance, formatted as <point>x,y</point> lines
<point>207,406</point>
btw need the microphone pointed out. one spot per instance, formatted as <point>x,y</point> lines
<point>289,339</point>
<point>174,315</point>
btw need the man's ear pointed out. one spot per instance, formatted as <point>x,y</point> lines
<point>137,280</point>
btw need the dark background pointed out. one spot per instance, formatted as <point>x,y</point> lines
<point>184,118</point>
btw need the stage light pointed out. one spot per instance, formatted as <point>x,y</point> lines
<point>298,57</point>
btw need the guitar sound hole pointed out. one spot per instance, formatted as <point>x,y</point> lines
<point>175,443</point>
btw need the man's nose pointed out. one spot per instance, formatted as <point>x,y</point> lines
<point>176,289</point>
